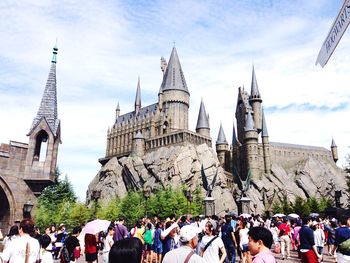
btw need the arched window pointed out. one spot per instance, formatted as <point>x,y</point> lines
<point>165,127</point>
<point>41,146</point>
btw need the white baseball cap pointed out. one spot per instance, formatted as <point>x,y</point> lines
<point>188,232</point>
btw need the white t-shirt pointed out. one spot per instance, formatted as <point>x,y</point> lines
<point>46,257</point>
<point>178,255</point>
<point>107,246</point>
<point>211,254</point>
<point>243,236</point>
<point>16,251</point>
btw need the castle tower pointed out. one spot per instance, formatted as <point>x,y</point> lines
<point>251,149</point>
<point>266,145</point>
<point>44,136</point>
<point>138,145</point>
<point>221,146</point>
<point>117,111</point>
<point>334,149</point>
<point>174,94</point>
<point>138,98</point>
<point>202,121</point>
<point>255,101</point>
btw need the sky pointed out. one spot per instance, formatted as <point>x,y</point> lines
<point>104,46</point>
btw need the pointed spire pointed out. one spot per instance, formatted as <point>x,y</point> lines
<point>138,97</point>
<point>333,143</point>
<point>249,124</point>
<point>234,137</point>
<point>221,136</point>
<point>202,122</point>
<point>54,55</point>
<point>254,93</point>
<point>264,127</point>
<point>174,78</point>
<point>139,135</point>
<point>48,105</point>
<point>117,111</point>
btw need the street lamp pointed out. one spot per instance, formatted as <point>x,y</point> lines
<point>147,193</point>
<point>337,196</point>
<point>96,194</point>
<point>27,209</point>
<point>255,206</point>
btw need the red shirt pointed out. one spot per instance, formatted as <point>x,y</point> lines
<point>285,227</point>
<point>90,244</point>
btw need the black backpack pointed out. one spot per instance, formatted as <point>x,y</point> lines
<point>64,256</point>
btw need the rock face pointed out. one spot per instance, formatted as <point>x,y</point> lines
<point>181,165</point>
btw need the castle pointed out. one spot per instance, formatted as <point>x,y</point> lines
<point>27,168</point>
<point>165,123</point>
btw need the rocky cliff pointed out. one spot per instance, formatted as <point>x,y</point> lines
<point>181,165</point>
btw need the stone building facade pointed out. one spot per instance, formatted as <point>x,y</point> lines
<point>27,168</point>
<point>160,124</point>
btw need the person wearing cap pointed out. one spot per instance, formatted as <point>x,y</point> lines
<point>185,253</point>
<point>211,244</point>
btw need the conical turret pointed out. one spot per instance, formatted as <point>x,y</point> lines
<point>138,98</point>
<point>251,147</point>
<point>255,101</point>
<point>202,121</point>
<point>174,94</point>
<point>117,112</point>
<point>221,146</point>
<point>266,145</point>
<point>334,150</point>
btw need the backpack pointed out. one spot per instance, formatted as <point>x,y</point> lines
<point>148,237</point>
<point>64,256</point>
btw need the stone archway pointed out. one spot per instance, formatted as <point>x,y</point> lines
<point>7,207</point>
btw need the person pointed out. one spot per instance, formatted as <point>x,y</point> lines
<point>126,250</point>
<point>120,230</point>
<point>331,236</point>
<point>90,241</point>
<point>53,235</point>
<point>308,250</point>
<point>243,242</point>
<point>157,243</point>
<point>12,235</point>
<point>60,237</point>
<point>229,239</point>
<point>45,255</point>
<point>319,237</point>
<point>169,237</point>
<point>342,238</point>
<point>148,238</point>
<point>260,242</point>
<point>185,253</point>
<point>285,237</point>
<point>25,248</point>
<point>211,245</point>
<point>72,244</point>
<point>107,244</point>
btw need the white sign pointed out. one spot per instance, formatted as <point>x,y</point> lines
<point>337,30</point>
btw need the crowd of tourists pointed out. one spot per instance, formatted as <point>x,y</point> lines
<point>200,239</point>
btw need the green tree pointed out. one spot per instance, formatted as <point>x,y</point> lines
<point>300,207</point>
<point>79,214</point>
<point>132,207</point>
<point>109,210</point>
<point>313,204</point>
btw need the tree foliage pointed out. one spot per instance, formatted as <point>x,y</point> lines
<point>302,207</point>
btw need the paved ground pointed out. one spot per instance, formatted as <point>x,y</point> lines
<point>294,258</point>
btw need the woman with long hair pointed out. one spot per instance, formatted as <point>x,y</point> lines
<point>13,234</point>
<point>212,244</point>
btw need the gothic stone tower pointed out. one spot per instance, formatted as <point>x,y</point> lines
<point>26,169</point>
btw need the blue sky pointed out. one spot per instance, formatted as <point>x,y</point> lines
<point>105,45</point>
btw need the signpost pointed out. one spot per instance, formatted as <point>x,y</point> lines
<point>336,32</point>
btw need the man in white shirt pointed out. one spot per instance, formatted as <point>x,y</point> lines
<point>25,248</point>
<point>185,253</point>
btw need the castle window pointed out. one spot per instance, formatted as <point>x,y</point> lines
<point>165,127</point>
<point>40,146</point>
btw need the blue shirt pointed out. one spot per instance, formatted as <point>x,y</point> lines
<point>342,234</point>
<point>306,236</point>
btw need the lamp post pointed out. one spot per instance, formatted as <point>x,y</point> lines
<point>255,206</point>
<point>96,194</point>
<point>147,194</point>
<point>337,196</point>
<point>27,209</point>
